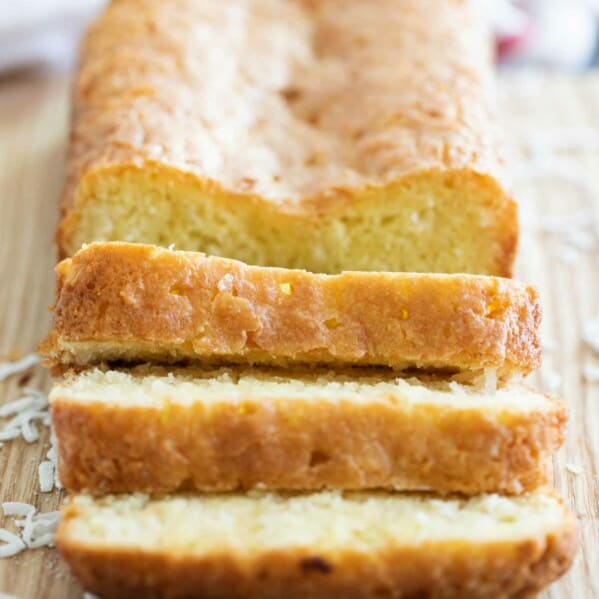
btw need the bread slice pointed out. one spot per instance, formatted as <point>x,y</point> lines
<point>120,301</point>
<point>329,544</point>
<point>319,135</point>
<point>157,431</point>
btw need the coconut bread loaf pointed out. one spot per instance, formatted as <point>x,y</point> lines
<point>160,430</point>
<point>135,302</point>
<point>321,135</point>
<point>317,546</point>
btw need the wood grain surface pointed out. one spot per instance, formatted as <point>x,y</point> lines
<point>540,113</point>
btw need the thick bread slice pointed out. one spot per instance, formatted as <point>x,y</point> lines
<point>120,301</point>
<point>150,431</point>
<point>320,135</point>
<point>350,545</point>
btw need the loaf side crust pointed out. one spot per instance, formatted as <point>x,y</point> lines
<point>302,443</point>
<point>139,303</point>
<point>445,570</point>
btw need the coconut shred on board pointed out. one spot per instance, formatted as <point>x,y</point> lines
<point>18,366</point>
<point>550,155</point>
<point>32,529</point>
<point>25,412</point>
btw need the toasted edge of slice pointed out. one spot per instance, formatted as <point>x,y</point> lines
<point>121,301</point>
<point>157,430</point>
<point>328,544</point>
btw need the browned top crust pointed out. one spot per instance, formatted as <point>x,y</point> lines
<point>140,302</point>
<point>297,102</point>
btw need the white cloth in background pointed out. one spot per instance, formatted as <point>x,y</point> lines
<point>545,33</point>
<point>34,31</point>
<point>566,33</point>
<point>549,33</point>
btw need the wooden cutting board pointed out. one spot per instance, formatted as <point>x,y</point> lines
<point>538,111</point>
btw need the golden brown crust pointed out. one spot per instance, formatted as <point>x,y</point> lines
<point>349,97</point>
<point>303,443</point>
<point>442,570</point>
<point>336,102</point>
<point>140,302</point>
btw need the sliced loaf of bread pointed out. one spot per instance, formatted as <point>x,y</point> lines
<point>156,430</point>
<point>317,546</point>
<point>121,301</point>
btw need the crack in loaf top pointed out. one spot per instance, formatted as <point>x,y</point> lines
<point>285,99</point>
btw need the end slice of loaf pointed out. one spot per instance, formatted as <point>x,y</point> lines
<point>121,301</point>
<point>156,431</point>
<point>317,546</point>
<point>318,135</point>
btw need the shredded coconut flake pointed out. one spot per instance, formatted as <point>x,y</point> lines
<point>490,382</point>
<point>25,411</point>
<point>11,543</point>
<point>577,231</point>
<point>52,456</point>
<point>551,380</point>
<point>590,372</point>
<point>36,530</point>
<point>590,334</point>
<point>225,285</point>
<point>574,469</point>
<point>25,363</point>
<point>455,387</point>
<point>567,255</point>
<point>46,476</point>
<point>17,508</point>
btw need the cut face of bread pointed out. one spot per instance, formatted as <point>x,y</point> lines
<point>433,222</point>
<point>119,301</point>
<point>328,544</point>
<point>157,431</point>
<point>343,138</point>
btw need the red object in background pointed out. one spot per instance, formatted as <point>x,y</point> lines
<point>509,45</point>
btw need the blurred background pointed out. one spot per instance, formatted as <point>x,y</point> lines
<point>543,33</point>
